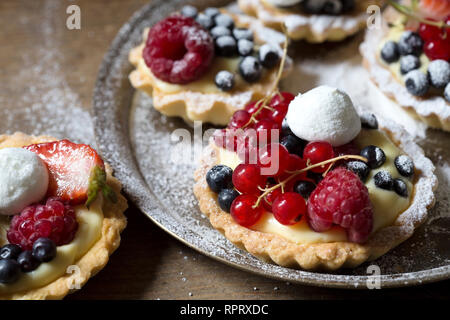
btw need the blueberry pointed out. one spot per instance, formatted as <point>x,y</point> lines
<point>250,69</point>
<point>417,83</point>
<point>410,43</point>
<point>205,21</point>
<point>400,188</point>
<point>409,63</point>
<point>27,262</point>
<point>383,180</point>
<point>9,271</point>
<point>313,6</point>
<point>333,7</point>
<point>268,55</point>
<point>285,130</point>
<point>44,249</point>
<point>439,73</point>
<point>224,20</point>
<point>211,12</point>
<point>389,52</point>
<point>294,144</point>
<point>224,80</point>
<point>219,31</point>
<point>219,177</point>
<point>360,168</point>
<point>189,11</point>
<point>226,198</point>
<point>348,5</point>
<point>245,47</point>
<point>447,92</point>
<point>10,251</point>
<point>369,121</point>
<point>226,46</point>
<point>375,156</point>
<point>304,188</point>
<point>404,165</point>
<point>243,33</point>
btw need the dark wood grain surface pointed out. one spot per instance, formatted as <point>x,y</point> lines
<point>149,264</point>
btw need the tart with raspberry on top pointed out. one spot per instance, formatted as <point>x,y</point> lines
<point>409,59</point>
<point>322,188</point>
<point>315,21</point>
<point>61,215</point>
<point>203,66</point>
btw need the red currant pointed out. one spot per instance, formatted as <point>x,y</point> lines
<point>316,152</point>
<point>243,211</point>
<point>266,130</point>
<point>252,107</point>
<point>279,113</point>
<point>246,149</point>
<point>289,208</point>
<point>270,198</point>
<point>437,49</point>
<point>429,32</point>
<point>273,159</point>
<point>247,178</point>
<point>295,163</point>
<point>282,98</point>
<point>240,118</point>
<point>227,139</point>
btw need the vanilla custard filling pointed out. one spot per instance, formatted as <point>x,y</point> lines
<point>387,205</point>
<point>89,231</point>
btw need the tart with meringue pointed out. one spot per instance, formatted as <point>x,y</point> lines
<point>323,189</point>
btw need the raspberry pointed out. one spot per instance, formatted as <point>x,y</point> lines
<point>178,50</point>
<point>342,199</point>
<point>54,220</point>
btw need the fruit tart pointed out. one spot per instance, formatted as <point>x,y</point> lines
<point>323,189</point>
<point>311,20</point>
<point>203,66</point>
<point>61,214</point>
<point>408,59</point>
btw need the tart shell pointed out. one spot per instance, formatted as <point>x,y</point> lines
<point>97,256</point>
<point>325,256</point>
<point>434,111</point>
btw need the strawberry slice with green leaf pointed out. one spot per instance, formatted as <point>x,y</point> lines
<point>77,173</point>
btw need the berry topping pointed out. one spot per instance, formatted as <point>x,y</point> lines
<point>178,50</point>
<point>250,69</point>
<point>44,249</point>
<point>245,47</point>
<point>316,152</point>
<point>288,208</point>
<point>211,11</point>
<point>226,198</point>
<point>342,199</point>
<point>244,211</point>
<point>409,63</point>
<point>77,173</point>
<point>189,11</point>
<point>285,130</point>
<point>205,21</point>
<point>304,188</point>
<point>429,32</point>
<point>369,121</point>
<point>226,46</point>
<point>266,130</point>
<point>383,180</point>
<point>410,43</point>
<point>239,119</point>
<point>9,271</point>
<point>224,80</point>
<point>224,20</point>
<point>270,198</point>
<point>293,144</point>
<point>220,31</point>
<point>389,52</point>
<point>243,33</point>
<point>268,55</point>
<point>54,220</point>
<point>439,73</point>
<point>437,49</point>
<point>27,262</point>
<point>416,83</point>
<point>219,177</point>
<point>247,178</point>
<point>400,188</point>
<point>404,165</point>
<point>10,251</point>
<point>273,159</point>
<point>358,167</point>
<point>375,156</point>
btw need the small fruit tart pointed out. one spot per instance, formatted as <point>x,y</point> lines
<point>408,59</point>
<point>315,21</point>
<point>324,189</point>
<point>203,66</point>
<point>61,214</point>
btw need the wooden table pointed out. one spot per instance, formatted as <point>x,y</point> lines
<point>149,263</point>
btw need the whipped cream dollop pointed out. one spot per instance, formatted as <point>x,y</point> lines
<point>284,3</point>
<point>23,180</point>
<point>324,114</point>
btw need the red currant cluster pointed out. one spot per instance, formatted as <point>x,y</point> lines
<point>437,40</point>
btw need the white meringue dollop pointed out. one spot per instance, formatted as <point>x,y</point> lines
<point>24,180</point>
<point>324,114</point>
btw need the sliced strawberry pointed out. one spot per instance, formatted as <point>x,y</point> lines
<point>77,173</point>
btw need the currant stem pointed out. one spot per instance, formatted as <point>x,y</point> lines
<point>408,12</point>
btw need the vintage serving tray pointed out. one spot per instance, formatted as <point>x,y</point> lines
<point>154,158</point>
